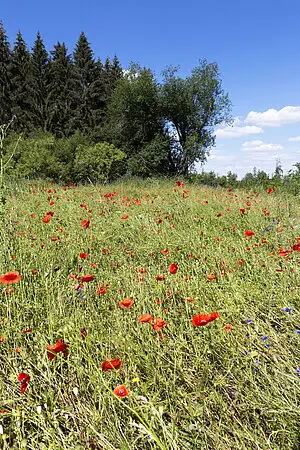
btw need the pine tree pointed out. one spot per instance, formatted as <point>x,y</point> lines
<point>5,83</point>
<point>85,66</point>
<point>40,64</point>
<point>63,94</point>
<point>21,73</point>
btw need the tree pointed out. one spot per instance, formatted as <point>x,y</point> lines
<point>135,119</point>
<point>63,94</point>
<point>22,88</point>
<point>39,81</point>
<point>5,83</point>
<point>192,107</point>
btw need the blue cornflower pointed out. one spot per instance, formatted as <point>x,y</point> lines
<point>298,370</point>
<point>248,320</point>
<point>288,310</point>
<point>298,331</point>
<point>264,338</point>
<point>81,297</point>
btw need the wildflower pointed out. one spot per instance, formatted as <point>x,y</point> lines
<point>85,224</point>
<point>126,303</point>
<point>144,318</point>
<point>173,268</point>
<point>52,350</point>
<point>199,320</point>
<point>288,310</point>
<point>228,327</point>
<point>24,379</point>
<point>121,391</point>
<point>158,324</point>
<point>111,364</point>
<point>211,277</point>
<point>124,217</point>
<point>264,338</point>
<point>46,218</point>
<point>87,278</point>
<point>165,252</point>
<point>10,278</point>
<point>83,255</point>
<point>270,190</point>
<point>161,277</point>
<point>249,233</point>
<point>29,330</point>
<point>83,333</point>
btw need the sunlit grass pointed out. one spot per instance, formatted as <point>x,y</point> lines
<point>210,387</point>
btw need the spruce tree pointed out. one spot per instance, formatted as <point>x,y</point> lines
<point>5,82</point>
<point>40,62</point>
<point>63,93</point>
<point>85,65</point>
<point>22,88</point>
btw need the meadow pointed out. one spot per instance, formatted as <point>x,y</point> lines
<point>149,315</point>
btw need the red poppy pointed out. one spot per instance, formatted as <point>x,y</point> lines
<point>126,303</point>
<point>161,277</point>
<point>270,190</point>
<point>158,324</point>
<point>228,327</point>
<point>145,318</point>
<point>124,217</point>
<point>111,364</point>
<point>190,299</point>
<point>102,291</point>
<point>178,183</point>
<point>173,268</point>
<point>242,211</point>
<point>199,320</point>
<point>165,252</point>
<point>83,255</point>
<point>83,333</point>
<point>87,278</point>
<point>29,330</point>
<point>10,278</point>
<point>296,247</point>
<point>52,350</point>
<point>142,270</point>
<point>24,379</point>
<point>211,277</point>
<point>121,391</point>
<point>46,219</point>
<point>85,224</point>
<point>249,233</point>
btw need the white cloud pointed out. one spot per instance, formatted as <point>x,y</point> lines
<point>274,117</point>
<point>294,139</point>
<point>260,147</point>
<point>237,132</point>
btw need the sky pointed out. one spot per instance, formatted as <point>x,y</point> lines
<point>255,43</point>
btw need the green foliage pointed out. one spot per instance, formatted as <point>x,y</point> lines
<point>191,108</point>
<point>5,82</point>
<point>96,162</point>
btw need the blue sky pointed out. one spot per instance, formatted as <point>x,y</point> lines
<point>256,44</point>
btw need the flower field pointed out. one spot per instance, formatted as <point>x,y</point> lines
<point>151,315</point>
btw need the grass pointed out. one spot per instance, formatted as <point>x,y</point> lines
<point>206,387</point>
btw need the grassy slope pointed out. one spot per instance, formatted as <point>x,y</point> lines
<point>192,388</point>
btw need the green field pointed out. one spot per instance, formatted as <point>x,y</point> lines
<point>232,384</point>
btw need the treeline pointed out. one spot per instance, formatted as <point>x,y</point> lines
<point>289,182</point>
<point>64,105</point>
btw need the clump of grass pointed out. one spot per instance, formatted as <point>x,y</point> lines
<point>211,387</point>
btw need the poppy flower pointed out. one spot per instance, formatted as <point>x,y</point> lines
<point>83,255</point>
<point>270,190</point>
<point>24,379</point>
<point>211,277</point>
<point>126,303</point>
<point>249,233</point>
<point>142,270</point>
<point>85,224</point>
<point>46,218</point>
<point>87,278</point>
<point>29,330</point>
<point>173,268</point>
<point>102,291</point>
<point>158,324</point>
<point>165,252</point>
<point>161,277</point>
<point>10,278</point>
<point>296,247</point>
<point>145,318</point>
<point>83,333</point>
<point>124,217</point>
<point>228,327</point>
<point>52,350</point>
<point>199,320</point>
<point>111,364</point>
<point>121,391</point>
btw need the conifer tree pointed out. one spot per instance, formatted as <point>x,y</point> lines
<point>63,93</point>
<point>39,61</point>
<point>21,73</point>
<point>85,65</point>
<point>5,84</point>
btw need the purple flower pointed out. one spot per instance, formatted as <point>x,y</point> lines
<point>264,338</point>
<point>248,320</point>
<point>298,331</point>
<point>288,310</point>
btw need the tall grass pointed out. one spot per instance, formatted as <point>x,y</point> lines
<point>210,387</point>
